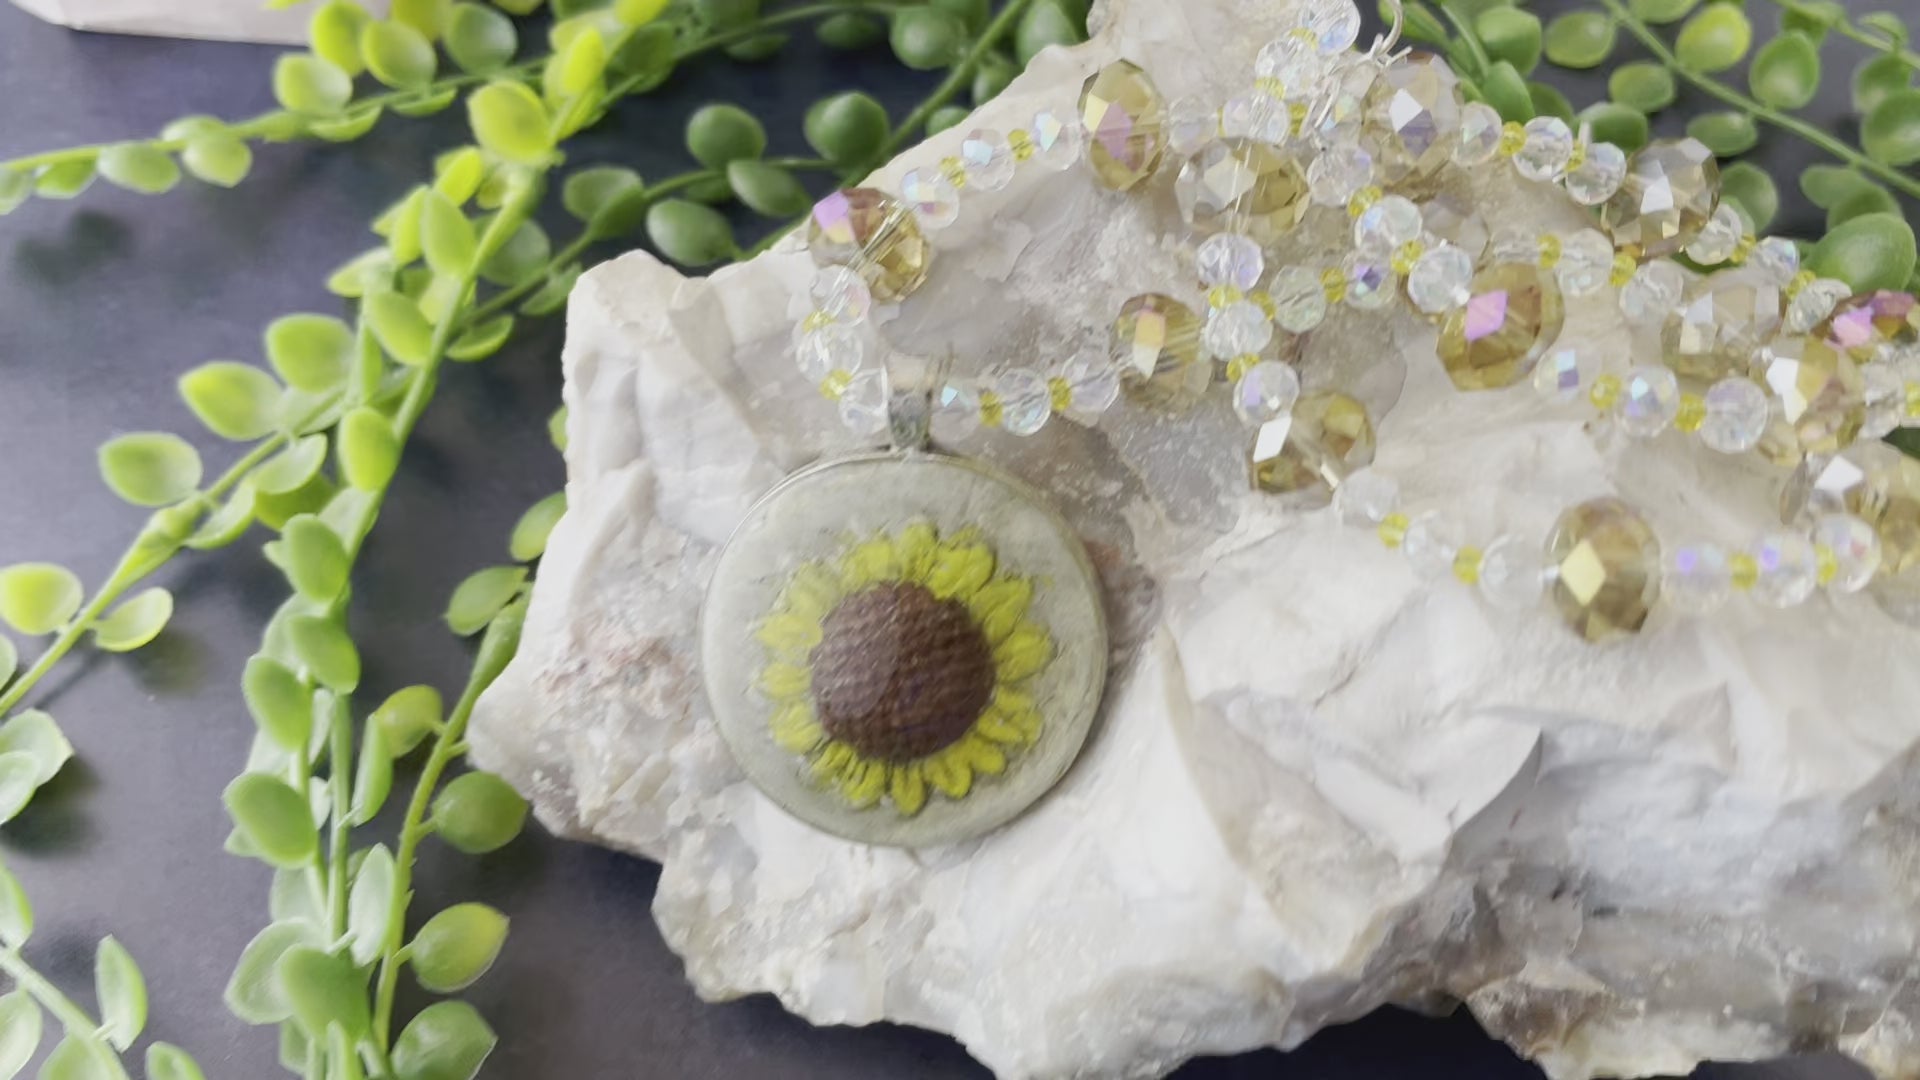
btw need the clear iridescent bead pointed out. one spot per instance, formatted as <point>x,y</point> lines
<point>1265,391</point>
<point>1777,259</point>
<point>1093,384</point>
<point>1811,305</point>
<point>1239,329</point>
<point>1854,547</point>
<point>1599,176</point>
<point>1512,573</point>
<point>1737,415</point>
<point>1652,293</point>
<point>841,295</point>
<point>1431,544</point>
<point>863,404</point>
<point>1719,238</point>
<point>1441,279</point>
<point>831,348</point>
<point>1257,115</point>
<point>1480,128</point>
<point>1192,122</point>
<point>1789,569</point>
<point>1586,262</point>
<point>1886,395</point>
<point>987,159</point>
<point>1649,401</point>
<point>1025,400</point>
<point>1369,283</point>
<point>1381,229</point>
<point>934,199</point>
<point>1548,148</point>
<point>1334,24</point>
<point>1364,499</point>
<point>1697,578</point>
<point>1299,299</point>
<point>1339,173</point>
<point>1057,139</point>
<point>1562,375</point>
<point>956,412</point>
<point>1231,259</point>
<point>1294,60</point>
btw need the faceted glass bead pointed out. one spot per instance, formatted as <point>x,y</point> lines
<point>1191,124</point>
<point>987,159</point>
<point>1512,574</point>
<point>1244,186</point>
<point>1454,219</point>
<point>874,234</point>
<point>1344,100</point>
<point>1025,400</point>
<point>1720,238</point>
<point>1309,452</point>
<point>1562,375</point>
<point>1239,329</point>
<point>1231,259</point>
<point>1431,543</point>
<point>1855,548</point>
<point>1339,173</point>
<point>1156,348</point>
<point>1824,484</point>
<point>1886,394</point>
<point>1299,299</point>
<point>1875,483</point>
<point>841,294</point>
<point>935,201</point>
<point>1124,118</point>
<point>1369,283</point>
<point>1334,24</point>
<point>1092,383</point>
<point>1698,578</point>
<point>863,404</point>
<point>1719,323</point>
<point>1548,148</point>
<point>1366,498</point>
<point>1056,139</point>
<point>1607,568</point>
<point>1777,259</point>
<point>1256,115</point>
<point>1480,128</point>
<point>1586,262</point>
<point>1382,228</point>
<point>1414,110</point>
<point>1440,280</point>
<point>1649,400</point>
<point>1295,61</point>
<point>1652,293</point>
<point>1737,415</point>
<point>831,348</point>
<point>956,412</point>
<point>1599,176</point>
<point>1789,570</point>
<point>1820,394</point>
<point>1671,189</point>
<point>1813,304</point>
<point>1866,325</point>
<point>1266,390</point>
<point>1511,318</point>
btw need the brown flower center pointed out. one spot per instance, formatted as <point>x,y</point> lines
<point>900,673</point>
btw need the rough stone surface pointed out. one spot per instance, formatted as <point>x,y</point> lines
<point>226,20</point>
<point>1318,785</point>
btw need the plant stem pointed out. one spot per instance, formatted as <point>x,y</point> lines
<point>1847,28</point>
<point>1717,89</point>
<point>71,1016</point>
<point>956,81</point>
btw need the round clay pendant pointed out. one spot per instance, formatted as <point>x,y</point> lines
<point>904,648</point>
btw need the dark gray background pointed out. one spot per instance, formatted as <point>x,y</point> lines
<point>103,303</point>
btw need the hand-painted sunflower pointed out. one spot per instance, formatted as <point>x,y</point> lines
<point>904,664</point>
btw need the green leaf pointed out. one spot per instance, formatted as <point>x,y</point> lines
<point>1873,251</point>
<point>1580,39</point>
<point>1750,189</point>
<point>1422,25</point>
<point>65,180</point>
<point>589,191</point>
<point>334,34</point>
<point>719,134</point>
<point>577,69</point>
<point>1548,101</point>
<point>370,906</point>
<point>406,718</point>
<point>481,596</point>
<point>34,734</point>
<point>135,623</point>
<point>690,234</point>
<point>1877,79</point>
<point>311,352</point>
<point>38,598</point>
<point>947,116</point>
<point>478,812</point>
<point>397,54</point>
<point>324,988</point>
<point>355,123</point>
<point>847,129</point>
<point>1716,38</point>
<point>168,1062</point>
<point>1621,125</point>
<point>234,400</point>
<point>1512,35</point>
<point>369,449</point>
<point>446,236</point>
<point>529,540</point>
<point>1890,134</point>
<point>1872,199</point>
<point>16,187</point>
<point>219,159</point>
<point>400,327</point>
<point>281,704</point>
<point>343,1058</point>
<point>150,468</point>
<point>768,189</point>
<point>122,993</point>
<point>292,468</point>
<point>458,174</point>
<point>482,341</point>
<point>16,912</point>
<point>81,1057</point>
<point>557,429</point>
<point>9,660</point>
<point>1505,90</point>
<point>227,523</point>
<point>480,39</point>
<point>1661,11</point>
<point>327,652</point>
<point>993,75</point>
<point>253,992</point>
<point>446,1041</point>
<point>1827,185</point>
<point>1785,72</point>
<point>311,86</point>
<point>553,295</point>
<point>139,167</point>
<point>1727,134</point>
<point>1045,25</point>
<point>851,30</point>
<point>316,561</point>
<point>18,771</point>
<point>430,17</point>
<point>511,121</point>
<point>1890,27</point>
<point>20,1032</point>
<point>1812,18</point>
<point>456,947</point>
<point>520,259</point>
<point>925,38</point>
<point>275,819</point>
<point>373,777</point>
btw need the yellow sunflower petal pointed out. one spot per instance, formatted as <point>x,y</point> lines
<point>864,783</point>
<point>959,570</point>
<point>950,773</point>
<point>795,728</point>
<point>1023,654</point>
<point>915,548</point>
<point>1001,728</point>
<point>789,633</point>
<point>1000,605</point>
<point>908,786</point>
<point>982,755</point>
<point>1017,709</point>
<point>869,562</point>
<point>834,763</point>
<point>785,682</point>
<point>812,592</point>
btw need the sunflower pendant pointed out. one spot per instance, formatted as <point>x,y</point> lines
<point>904,648</point>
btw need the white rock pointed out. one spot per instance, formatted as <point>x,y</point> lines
<point>225,20</point>
<point>1318,786</point>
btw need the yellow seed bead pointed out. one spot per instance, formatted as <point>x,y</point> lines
<point>816,321</point>
<point>1605,392</point>
<point>1466,565</point>
<point>1022,143</point>
<point>1800,281</point>
<point>1913,401</point>
<point>990,411</point>
<point>955,171</point>
<point>1624,267</point>
<point>1362,199</point>
<point>1393,529</point>
<point>1550,249</point>
<point>1264,300</point>
<point>1828,562</point>
<point>1304,36</point>
<point>1577,158</point>
<point>1061,392</point>
<point>1408,254</point>
<point>1513,136</point>
<point>1270,86</point>
<point>835,384</point>
<point>1334,284</point>
<point>1692,414</point>
<point>1297,112</point>
<point>1746,571</point>
<point>1238,366</point>
<point>1221,296</point>
<point>1744,249</point>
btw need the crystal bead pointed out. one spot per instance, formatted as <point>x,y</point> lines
<point>1719,322</point>
<point>935,201</point>
<point>1382,228</point>
<point>987,159</point>
<point>1369,283</point>
<point>1812,304</point>
<point>1606,569</point>
<point>1819,393</point>
<point>1344,101</point>
<point>831,348</point>
<point>1512,317</point>
<point>1266,390</point>
<point>1698,578</point>
<point>1334,24</point>
<point>1789,569</point>
<point>1454,219</point>
<point>1875,483</point>
<point>1243,186</point>
<point>956,412</point>
<point>1191,124</point>
<point>1825,484</point>
<point>1512,574</point>
<point>1548,148</point>
<point>1671,189</point>
<point>1886,399</point>
<point>1854,548</point>
<point>863,404</point>
<point>1056,139</point>
<point>1025,400</point>
<point>1092,382</point>
<point>1156,348</point>
<point>1586,262</point>
<point>1719,238</point>
<point>1366,498</point>
<point>1562,375</point>
<point>875,235</point>
<point>1649,400</point>
<point>841,295</point>
<point>1599,176</point>
<point>1124,118</point>
<point>1414,110</point>
<point>1299,299</point>
<point>1737,415</point>
<point>1309,452</point>
<point>1239,329</point>
<point>1339,173</point>
<point>1294,61</point>
<point>1258,116</point>
<point>1652,293</point>
<point>1777,259</point>
<point>1868,325</point>
<point>1231,259</point>
<point>1479,134</point>
<point>1440,280</point>
<point>1431,543</point>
